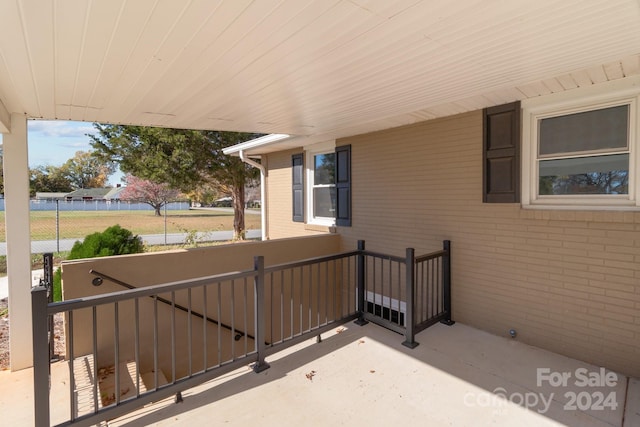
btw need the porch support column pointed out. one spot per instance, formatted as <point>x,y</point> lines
<point>16,193</point>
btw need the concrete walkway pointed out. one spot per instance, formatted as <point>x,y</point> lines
<point>457,376</point>
<point>36,275</point>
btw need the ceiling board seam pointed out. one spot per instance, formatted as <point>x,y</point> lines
<point>85,25</point>
<point>205,48</point>
<point>104,57</point>
<point>134,45</point>
<point>292,70</point>
<point>29,55</point>
<point>154,54</point>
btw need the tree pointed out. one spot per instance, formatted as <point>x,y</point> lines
<point>85,170</point>
<point>51,179</point>
<point>145,191</point>
<point>183,159</point>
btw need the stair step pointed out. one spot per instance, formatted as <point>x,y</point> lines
<point>84,381</point>
<point>107,379</point>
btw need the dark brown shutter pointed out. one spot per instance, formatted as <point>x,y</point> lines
<point>343,186</point>
<point>297,172</point>
<point>501,134</point>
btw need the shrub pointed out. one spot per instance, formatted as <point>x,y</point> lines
<point>115,240</point>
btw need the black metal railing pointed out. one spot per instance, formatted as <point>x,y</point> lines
<point>166,353</point>
<point>408,294</point>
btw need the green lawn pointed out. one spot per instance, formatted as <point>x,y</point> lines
<point>77,224</point>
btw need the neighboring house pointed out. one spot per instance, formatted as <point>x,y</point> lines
<point>114,193</point>
<point>50,196</point>
<point>540,199</point>
<point>88,194</point>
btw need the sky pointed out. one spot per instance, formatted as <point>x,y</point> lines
<point>55,142</point>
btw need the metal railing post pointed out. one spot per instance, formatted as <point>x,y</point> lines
<point>261,364</point>
<point>409,318</point>
<point>446,283</point>
<point>40,356</point>
<point>47,281</point>
<point>360,278</point>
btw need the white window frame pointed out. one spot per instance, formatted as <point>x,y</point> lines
<point>311,151</point>
<point>621,92</point>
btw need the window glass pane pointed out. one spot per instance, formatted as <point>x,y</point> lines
<point>586,175</point>
<point>324,169</point>
<point>324,202</point>
<point>606,128</point>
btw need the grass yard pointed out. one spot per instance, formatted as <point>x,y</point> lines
<point>78,224</point>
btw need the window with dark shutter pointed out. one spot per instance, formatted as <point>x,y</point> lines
<point>501,135</point>
<point>343,186</point>
<point>297,164</point>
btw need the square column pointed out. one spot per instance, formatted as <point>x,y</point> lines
<point>16,194</point>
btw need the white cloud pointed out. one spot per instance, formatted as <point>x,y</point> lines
<point>59,128</point>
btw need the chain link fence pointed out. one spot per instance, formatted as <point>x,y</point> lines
<point>57,224</point>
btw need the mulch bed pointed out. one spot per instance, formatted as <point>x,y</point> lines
<point>4,335</point>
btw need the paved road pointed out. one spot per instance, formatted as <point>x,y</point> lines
<point>42,246</point>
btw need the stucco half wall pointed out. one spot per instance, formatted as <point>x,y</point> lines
<point>158,268</point>
<point>567,281</point>
<point>162,267</point>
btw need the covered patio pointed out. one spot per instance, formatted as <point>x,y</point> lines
<point>377,75</point>
<point>313,69</point>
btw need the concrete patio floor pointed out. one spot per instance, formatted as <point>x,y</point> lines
<point>457,376</point>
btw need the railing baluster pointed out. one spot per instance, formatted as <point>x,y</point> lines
<point>348,285</point>
<point>94,318</point>
<point>205,337</point>
<point>136,343</point>
<point>333,290</point>
<point>282,306</point>
<point>375,286</point>
<point>309,290</point>
<point>301,303</point>
<point>233,320</point>
<point>116,357</point>
<point>244,308</point>
<point>291,301</point>
<point>399,298</point>
<point>72,377</point>
<point>318,281</point>
<point>326,292</point>
<point>173,337</point>
<point>155,342</point>
<point>189,337</point>
<point>390,284</point>
<point>219,324</point>
<point>272,310</point>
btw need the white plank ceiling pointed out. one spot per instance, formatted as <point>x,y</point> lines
<point>303,67</point>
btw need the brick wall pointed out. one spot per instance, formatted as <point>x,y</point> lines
<point>567,281</point>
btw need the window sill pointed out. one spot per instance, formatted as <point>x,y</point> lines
<point>320,227</point>
<point>582,207</point>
